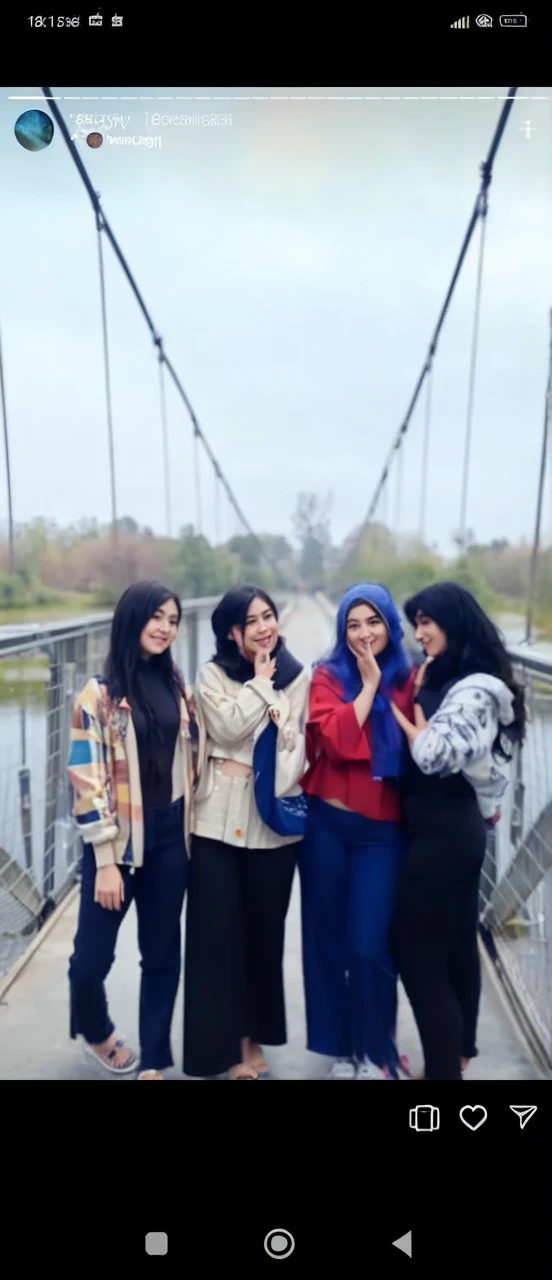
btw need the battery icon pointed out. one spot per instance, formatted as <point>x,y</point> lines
<point>513,20</point>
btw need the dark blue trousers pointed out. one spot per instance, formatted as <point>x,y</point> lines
<point>349,868</point>
<point>158,889</point>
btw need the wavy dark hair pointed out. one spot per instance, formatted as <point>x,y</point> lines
<point>474,645</point>
<point>123,666</point>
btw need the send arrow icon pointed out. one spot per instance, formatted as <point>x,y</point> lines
<point>404,1243</point>
<point>524,1114</point>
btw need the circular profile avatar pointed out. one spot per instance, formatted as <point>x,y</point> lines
<point>94,140</point>
<point>34,130</point>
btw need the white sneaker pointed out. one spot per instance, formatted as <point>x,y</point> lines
<point>343,1069</point>
<point>366,1070</point>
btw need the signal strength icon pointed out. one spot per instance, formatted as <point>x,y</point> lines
<point>463,23</point>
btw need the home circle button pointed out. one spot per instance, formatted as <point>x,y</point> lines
<point>279,1243</point>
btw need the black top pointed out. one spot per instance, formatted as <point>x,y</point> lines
<point>157,741</point>
<point>427,798</point>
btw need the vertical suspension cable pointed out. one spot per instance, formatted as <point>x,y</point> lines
<point>385,502</point>
<point>7,456</point>
<point>217,510</point>
<point>114,530</point>
<point>398,490</point>
<point>425,448</point>
<point>199,516</point>
<point>164,432</point>
<point>540,498</point>
<point>471,385</point>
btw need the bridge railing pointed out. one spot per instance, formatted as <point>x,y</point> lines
<point>41,670</point>
<point>516,885</point>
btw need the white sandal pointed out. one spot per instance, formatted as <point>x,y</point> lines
<point>106,1061</point>
<point>152,1074</point>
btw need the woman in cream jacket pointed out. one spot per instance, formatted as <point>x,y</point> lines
<point>251,698</point>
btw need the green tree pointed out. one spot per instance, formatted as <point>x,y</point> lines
<point>198,569</point>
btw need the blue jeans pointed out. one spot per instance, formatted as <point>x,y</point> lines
<point>158,888</point>
<point>349,867</point>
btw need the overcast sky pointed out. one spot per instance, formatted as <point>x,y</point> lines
<point>294,260</point>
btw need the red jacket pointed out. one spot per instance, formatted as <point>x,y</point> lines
<point>339,752</point>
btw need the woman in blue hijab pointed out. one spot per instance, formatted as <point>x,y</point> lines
<point>349,861</point>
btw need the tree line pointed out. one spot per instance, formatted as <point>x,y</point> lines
<point>87,560</point>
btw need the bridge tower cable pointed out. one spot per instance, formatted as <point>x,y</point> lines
<point>479,212</point>
<point>157,340</point>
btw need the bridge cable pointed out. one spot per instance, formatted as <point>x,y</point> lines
<point>385,503</point>
<point>165,436</point>
<point>398,489</point>
<point>95,200</point>
<point>486,176</point>
<point>197,470</point>
<point>540,499</point>
<point>218,541</point>
<point>114,525</point>
<point>425,449</point>
<point>471,383</point>
<point>7,459</point>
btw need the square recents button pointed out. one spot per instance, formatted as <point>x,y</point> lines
<point>157,1242</point>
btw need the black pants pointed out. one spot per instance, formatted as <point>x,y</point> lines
<point>235,929</point>
<point>436,933</point>
<point>158,888</point>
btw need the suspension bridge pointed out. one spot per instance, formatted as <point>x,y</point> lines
<point>39,864</point>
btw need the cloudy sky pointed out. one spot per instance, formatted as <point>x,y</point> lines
<point>294,260</point>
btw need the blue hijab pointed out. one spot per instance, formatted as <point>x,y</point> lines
<point>388,740</point>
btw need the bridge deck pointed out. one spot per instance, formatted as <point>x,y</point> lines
<point>34,1020</point>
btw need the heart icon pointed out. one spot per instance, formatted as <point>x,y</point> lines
<point>473,1117</point>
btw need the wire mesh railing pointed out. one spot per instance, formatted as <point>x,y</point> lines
<point>516,885</point>
<point>41,670</point>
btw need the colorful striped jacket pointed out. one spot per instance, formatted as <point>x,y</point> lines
<point>104,771</point>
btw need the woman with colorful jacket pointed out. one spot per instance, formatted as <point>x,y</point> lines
<point>131,766</point>
<point>350,858</point>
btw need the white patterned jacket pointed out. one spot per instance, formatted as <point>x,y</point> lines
<point>459,738</point>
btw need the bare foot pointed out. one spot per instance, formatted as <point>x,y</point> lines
<point>150,1075</point>
<point>464,1063</point>
<point>122,1056</point>
<point>242,1071</point>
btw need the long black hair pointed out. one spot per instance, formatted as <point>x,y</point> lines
<point>232,611</point>
<point>124,664</point>
<point>474,645</point>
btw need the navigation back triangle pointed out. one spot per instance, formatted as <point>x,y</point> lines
<point>404,1243</point>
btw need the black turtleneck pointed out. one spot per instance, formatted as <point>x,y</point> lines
<point>156,745</point>
<point>421,790</point>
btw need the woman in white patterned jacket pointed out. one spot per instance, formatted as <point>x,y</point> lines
<point>468,714</point>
